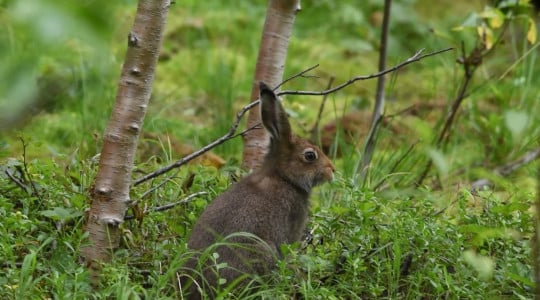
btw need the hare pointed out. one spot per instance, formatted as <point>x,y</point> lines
<point>271,203</point>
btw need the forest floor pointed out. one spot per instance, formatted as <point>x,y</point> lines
<point>394,234</point>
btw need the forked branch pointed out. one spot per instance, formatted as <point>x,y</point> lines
<point>470,63</point>
<point>168,206</point>
<point>416,57</point>
<point>231,133</point>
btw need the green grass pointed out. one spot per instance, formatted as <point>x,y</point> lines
<point>397,241</point>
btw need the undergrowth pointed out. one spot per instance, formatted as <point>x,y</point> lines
<point>383,238</point>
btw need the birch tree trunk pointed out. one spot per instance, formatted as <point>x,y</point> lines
<point>280,16</point>
<point>110,192</point>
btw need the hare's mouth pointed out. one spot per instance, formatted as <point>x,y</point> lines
<point>323,177</point>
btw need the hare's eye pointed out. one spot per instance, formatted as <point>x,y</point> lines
<point>310,155</point>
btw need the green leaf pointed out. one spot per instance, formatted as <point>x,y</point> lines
<point>494,17</point>
<point>222,265</point>
<point>486,35</point>
<point>28,265</point>
<point>61,214</point>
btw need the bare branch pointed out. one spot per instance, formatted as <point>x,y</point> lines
<point>525,159</point>
<point>26,173</point>
<point>470,63</point>
<point>301,74</point>
<point>17,181</point>
<point>204,149</point>
<point>508,169</point>
<point>256,126</point>
<point>170,205</point>
<point>231,133</point>
<point>416,57</point>
<point>146,193</point>
<point>371,140</point>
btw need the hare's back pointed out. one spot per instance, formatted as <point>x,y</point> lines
<point>259,205</point>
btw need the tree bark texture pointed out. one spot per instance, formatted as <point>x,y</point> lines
<point>280,16</point>
<point>110,192</point>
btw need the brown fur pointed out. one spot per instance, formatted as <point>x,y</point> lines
<point>271,203</point>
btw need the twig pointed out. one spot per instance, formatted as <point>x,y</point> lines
<point>468,73</point>
<point>296,76</point>
<point>171,205</point>
<point>146,193</point>
<point>507,169</point>
<point>168,206</point>
<point>409,110</point>
<point>256,126</point>
<point>27,174</point>
<point>525,159</point>
<point>469,63</point>
<point>360,164</point>
<point>315,130</point>
<point>242,112</point>
<point>204,149</point>
<point>230,135</point>
<point>379,97</point>
<point>416,57</point>
<point>16,181</point>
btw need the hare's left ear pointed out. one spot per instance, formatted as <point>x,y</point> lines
<point>273,115</point>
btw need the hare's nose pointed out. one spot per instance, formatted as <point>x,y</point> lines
<point>331,167</point>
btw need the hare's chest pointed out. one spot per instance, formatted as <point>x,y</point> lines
<point>297,219</point>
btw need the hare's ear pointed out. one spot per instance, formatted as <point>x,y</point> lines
<point>273,116</point>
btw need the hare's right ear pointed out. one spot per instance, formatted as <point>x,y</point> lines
<point>273,115</point>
